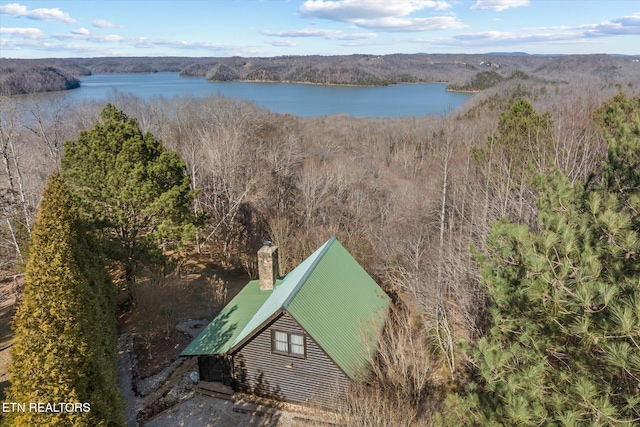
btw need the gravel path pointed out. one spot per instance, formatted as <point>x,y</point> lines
<point>126,361</point>
<point>207,411</point>
<point>173,388</point>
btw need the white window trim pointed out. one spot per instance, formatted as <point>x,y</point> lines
<point>290,344</point>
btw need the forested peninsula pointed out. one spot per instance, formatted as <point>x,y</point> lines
<point>462,72</point>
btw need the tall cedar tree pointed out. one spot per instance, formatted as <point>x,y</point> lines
<point>564,348</point>
<point>135,192</point>
<point>65,325</point>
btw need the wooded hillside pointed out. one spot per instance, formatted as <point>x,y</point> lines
<point>462,72</point>
<point>523,201</point>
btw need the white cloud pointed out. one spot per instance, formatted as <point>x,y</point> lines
<point>150,43</point>
<point>281,43</point>
<point>306,32</point>
<point>356,36</point>
<point>498,5</point>
<point>626,25</point>
<point>25,33</point>
<point>81,32</point>
<point>6,44</point>
<point>620,26</point>
<point>411,24</point>
<point>496,40</point>
<point>632,20</point>
<point>349,10</point>
<point>69,36</point>
<point>82,37</point>
<point>382,15</point>
<point>507,38</point>
<point>59,49</point>
<point>18,10</point>
<point>111,38</point>
<point>317,32</point>
<point>78,43</point>
<point>101,23</point>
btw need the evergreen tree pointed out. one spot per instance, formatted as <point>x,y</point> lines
<point>564,348</point>
<point>64,329</point>
<point>620,118</point>
<point>524,137</point>
<point>521,146</point>
<point>134,192</point>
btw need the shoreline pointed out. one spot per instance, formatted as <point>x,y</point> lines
<point>321,84</point>
<point>248,81</point>
<point>462,90</point>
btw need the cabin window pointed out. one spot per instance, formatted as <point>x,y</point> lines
<point>288,343</point>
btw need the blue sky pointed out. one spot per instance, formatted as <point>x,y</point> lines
<point>70,28</point>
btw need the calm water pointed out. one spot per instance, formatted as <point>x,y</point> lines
<point>300,99</point>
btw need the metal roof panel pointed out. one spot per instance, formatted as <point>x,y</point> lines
<point>342,308</point>
<point>329,294</point>
<point>219,335</point>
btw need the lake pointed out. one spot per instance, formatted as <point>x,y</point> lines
<point>300,99</point>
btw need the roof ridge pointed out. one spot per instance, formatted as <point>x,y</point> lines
<point>266,310</point>
<point>308,272</point>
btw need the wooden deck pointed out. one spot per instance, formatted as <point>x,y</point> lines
<point>215,389</point>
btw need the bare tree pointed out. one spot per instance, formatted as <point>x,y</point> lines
<point>47,123</point>
<point>13,196</point>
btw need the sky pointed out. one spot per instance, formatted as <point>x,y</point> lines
<point>205,28</point>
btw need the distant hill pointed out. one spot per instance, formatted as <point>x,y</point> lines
<point>460,71</point>
<point>508,53</point>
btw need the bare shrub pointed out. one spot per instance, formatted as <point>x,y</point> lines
<point>157,308</point>
<point>218,289</point>
<point>405,384</point>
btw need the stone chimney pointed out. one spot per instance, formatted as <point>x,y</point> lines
<point>268,266</point>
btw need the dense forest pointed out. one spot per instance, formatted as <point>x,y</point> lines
<point>507,231</point>
<point>462,72</point>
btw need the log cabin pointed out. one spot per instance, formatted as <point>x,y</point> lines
<point>299,338</point>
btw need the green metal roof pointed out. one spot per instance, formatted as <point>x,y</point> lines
<point>329,294</point>
<point>220,334</point>
<point>342,308</point>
